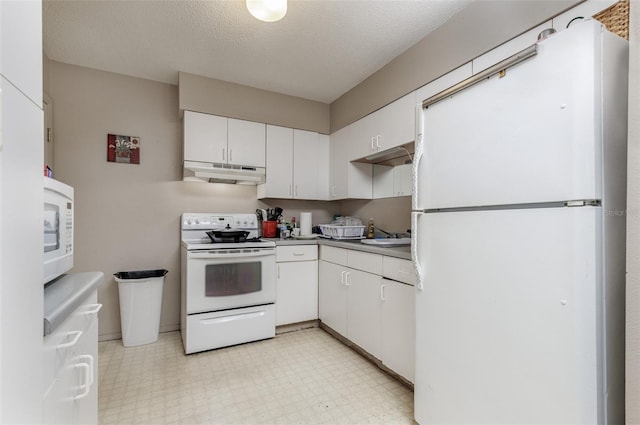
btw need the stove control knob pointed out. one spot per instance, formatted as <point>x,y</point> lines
<point>197,221</point>
<point>188,222</point>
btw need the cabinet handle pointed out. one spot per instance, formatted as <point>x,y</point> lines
<point>87,366</point>
<point>290,193</point>
<point>382,297</point>
<point>74,341</point>
<point>296,190</point>
<point>346,278</point>
<point>230,155</point>
<point>373,143</point>
<point>378,137</point>
<point>224,154</point>
<point>88,358</point>
<point>333,191</point>
<point>342,277</point>
<point>298,254</point>
<point>278,272</point>
<point>93,309</point>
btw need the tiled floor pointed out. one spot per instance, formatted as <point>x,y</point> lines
<point>303,377</point>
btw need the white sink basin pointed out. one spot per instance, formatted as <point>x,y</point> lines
<point>387,242</point>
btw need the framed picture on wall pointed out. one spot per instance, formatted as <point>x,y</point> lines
<point>124,149</point>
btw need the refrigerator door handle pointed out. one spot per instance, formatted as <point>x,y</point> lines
<point>414,251</point>
<point>417,158</point>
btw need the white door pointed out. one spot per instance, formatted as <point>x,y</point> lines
<point>305,164</point>
<point>297,292</point>
<point>246,141</point>
<point>364,311</point>
<point>506,328</point>
<point>205,137</point>
<point>530,136</point>
<point>279,162</point>
<point>398,327</point>
<point>332,296</point>
<point>339,164</point>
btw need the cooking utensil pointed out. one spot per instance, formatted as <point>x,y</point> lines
<point>228,235</point>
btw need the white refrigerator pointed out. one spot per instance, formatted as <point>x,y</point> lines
<point>519,239</point>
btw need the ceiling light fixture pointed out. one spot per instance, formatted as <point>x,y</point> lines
<point>267,10</point>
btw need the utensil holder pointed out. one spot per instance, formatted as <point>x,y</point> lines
<point>269,229</point>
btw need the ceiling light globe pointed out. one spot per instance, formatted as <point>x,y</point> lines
<point>267,10</point>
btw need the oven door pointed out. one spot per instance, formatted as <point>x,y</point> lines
<point>222,279</point>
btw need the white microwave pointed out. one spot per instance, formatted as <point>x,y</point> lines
<point>58,228</point>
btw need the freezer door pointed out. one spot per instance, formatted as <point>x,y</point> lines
<point>507,319</point>
<point>532,135</point>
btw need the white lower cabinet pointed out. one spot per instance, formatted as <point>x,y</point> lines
<point>71,368</point>
<point>376,313</point>
<point>332,296</point>
<point>364,311</point>
<point>398,328</point>
<point>297,284</point>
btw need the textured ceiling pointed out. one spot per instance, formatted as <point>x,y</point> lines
<point>318,51</point>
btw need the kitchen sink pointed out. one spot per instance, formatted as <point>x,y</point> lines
<point>387,242</point>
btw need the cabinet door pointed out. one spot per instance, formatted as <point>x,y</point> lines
<point>402,184</point>
<point>87,407</point>
<point>398,328</point>
<point>205,137</point>
<point>364,311</point>
<point>383,181</point>
<point>397,123</point>
<point>332,297</point>
<point>305,164</point>
<point>340,164</point>
<point>58,404</point>
<point>246,143</point>
<point>297,292</point>
<point>279,162</point>
<point>324,167</point>
<point>360,180</point>
<point>363,137</point>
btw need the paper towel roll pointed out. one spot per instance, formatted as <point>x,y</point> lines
<point>305,223</point>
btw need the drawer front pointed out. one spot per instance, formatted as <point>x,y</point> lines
<point>66,341</point>
<point>398,269</point>
<point>370,263</point>
<point>333,255</point>
<point>296,253</point>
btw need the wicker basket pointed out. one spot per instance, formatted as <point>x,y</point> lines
<point>342,232</point>
<point>616,18</point>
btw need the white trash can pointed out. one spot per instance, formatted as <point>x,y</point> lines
<point>140,305</point>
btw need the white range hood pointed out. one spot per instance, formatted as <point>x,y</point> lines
<point>223,173</point>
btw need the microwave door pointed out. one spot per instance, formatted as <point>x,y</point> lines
<point>51,230</point>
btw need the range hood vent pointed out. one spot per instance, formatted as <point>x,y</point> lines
<point>223,173</point>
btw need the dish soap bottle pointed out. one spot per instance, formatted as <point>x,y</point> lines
<point>370,230</point>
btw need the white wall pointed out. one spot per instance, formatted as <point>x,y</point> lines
<point>128,216</point>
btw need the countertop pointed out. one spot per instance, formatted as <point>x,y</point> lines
<point>403,252</point>
<point>65,294</point>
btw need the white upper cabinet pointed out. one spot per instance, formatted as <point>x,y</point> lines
<point>205,137</point>
<point>391,126</point>
<point>221,140</point>
<point>402,183</point>
<point>348,179</point>
<point>246,143</point>
<point>21,46</point>
<point>297,164</point>
<point>305,164</point>
<point>279,163</point>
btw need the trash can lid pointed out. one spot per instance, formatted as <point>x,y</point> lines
<point>141,274</point>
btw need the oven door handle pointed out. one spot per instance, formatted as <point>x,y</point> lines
<point>214,254</point>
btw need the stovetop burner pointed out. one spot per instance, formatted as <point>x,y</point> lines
<point>206,231</point>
